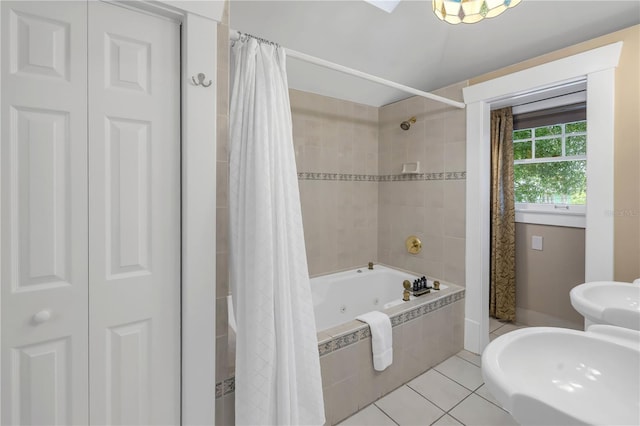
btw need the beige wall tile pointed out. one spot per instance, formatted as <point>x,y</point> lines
<point>222,322</point>
<point>434,158</point>
<point>225,410</point>
<point>455,157</point>
<point>390,116</point>
<point>434,130</point>
<point>339,400</point>
<point>454,249</point>
<point>433,248</point>
<point>339,365</point>
<point>335,136</point>
<point>434,221</point>
<point>222,184</point>
<point>455,129</point>
<point>222,274</point>
<point>222,131</point>
<point>454,208</point>
<point>222,368</point>
<point>425,208</point>
<point>224,406</point>
<point>222,228</point>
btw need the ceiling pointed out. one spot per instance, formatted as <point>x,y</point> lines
<point>411,46</point>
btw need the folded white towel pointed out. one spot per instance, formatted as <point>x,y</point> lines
<point>381,338</point>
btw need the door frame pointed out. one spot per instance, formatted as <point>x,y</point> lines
<point>597,67</point>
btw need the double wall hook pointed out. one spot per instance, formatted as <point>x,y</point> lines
<point>200,82</point>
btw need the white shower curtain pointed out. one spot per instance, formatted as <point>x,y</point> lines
<point>277,362</point>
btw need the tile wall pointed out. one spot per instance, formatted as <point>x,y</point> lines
<point>336,145</point>
<point>225,410</point>
<point>430,205</point>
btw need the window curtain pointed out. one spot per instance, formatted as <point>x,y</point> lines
<point>502,298</point>
<point>277,363</point>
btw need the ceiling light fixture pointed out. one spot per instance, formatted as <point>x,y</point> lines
<point>470,11</point>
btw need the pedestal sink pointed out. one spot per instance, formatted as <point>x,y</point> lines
<point>556,376</point>
<point>608,302</point>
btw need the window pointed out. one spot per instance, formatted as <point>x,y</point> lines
<point>550,165</point>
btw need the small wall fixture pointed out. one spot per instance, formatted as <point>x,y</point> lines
<point>405,125</point>
<point>413,244</point>
<point>201,80</point>
<point>470,11</point>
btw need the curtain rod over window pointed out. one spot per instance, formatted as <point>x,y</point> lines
<point>235,35</point>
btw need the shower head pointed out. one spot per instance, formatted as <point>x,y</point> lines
<point>405,125</point>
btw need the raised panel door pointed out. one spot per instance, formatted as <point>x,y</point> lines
<point>134,217</point>
<point>43,213</point>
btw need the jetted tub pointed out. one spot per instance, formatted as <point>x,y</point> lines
<point>341,297</point>
<point>426,330</point>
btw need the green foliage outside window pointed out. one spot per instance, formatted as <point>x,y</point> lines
<point>543,175</point>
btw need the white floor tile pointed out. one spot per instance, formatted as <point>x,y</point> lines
<point>461,371</point>
<point>494,324</point>
<point>484,392</point>
<point>476,411</point>
<point>470,356</point>
<point>407,407</point>
<point>447,420</point>
<point>369,416</point>
<point>440,390</point>
<point>506,328</point>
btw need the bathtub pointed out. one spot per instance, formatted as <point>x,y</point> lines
<point>426,330</point>
<point>341,297</point>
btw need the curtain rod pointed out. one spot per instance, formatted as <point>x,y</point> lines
<point>235,35</point>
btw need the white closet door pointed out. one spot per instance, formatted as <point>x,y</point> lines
<point>43,175</point>
<point>134,217</point>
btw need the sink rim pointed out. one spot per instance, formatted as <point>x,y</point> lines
<point>597,312</point>
<point>510,391</point>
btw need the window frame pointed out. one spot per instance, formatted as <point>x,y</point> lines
<point>551,214</point>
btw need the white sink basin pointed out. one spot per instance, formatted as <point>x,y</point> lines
<point>608,302</point>
<point>557,376</point>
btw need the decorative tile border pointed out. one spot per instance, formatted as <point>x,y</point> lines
<point>360,333</point>
<point>326,347</point>
<point>225,387</point>
<point>348,177</point>
<point>229,386</point>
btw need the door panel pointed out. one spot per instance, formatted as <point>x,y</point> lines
<point>42,379</point>
<point>134,217</point>
<point>43,214</point>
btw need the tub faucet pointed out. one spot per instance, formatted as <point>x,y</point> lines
<point>370,265</point>
<point>405,294</point>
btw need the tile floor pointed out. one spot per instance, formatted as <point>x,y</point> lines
<point>451,393</point>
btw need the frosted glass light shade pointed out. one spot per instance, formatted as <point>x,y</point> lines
<point>470,11</point>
